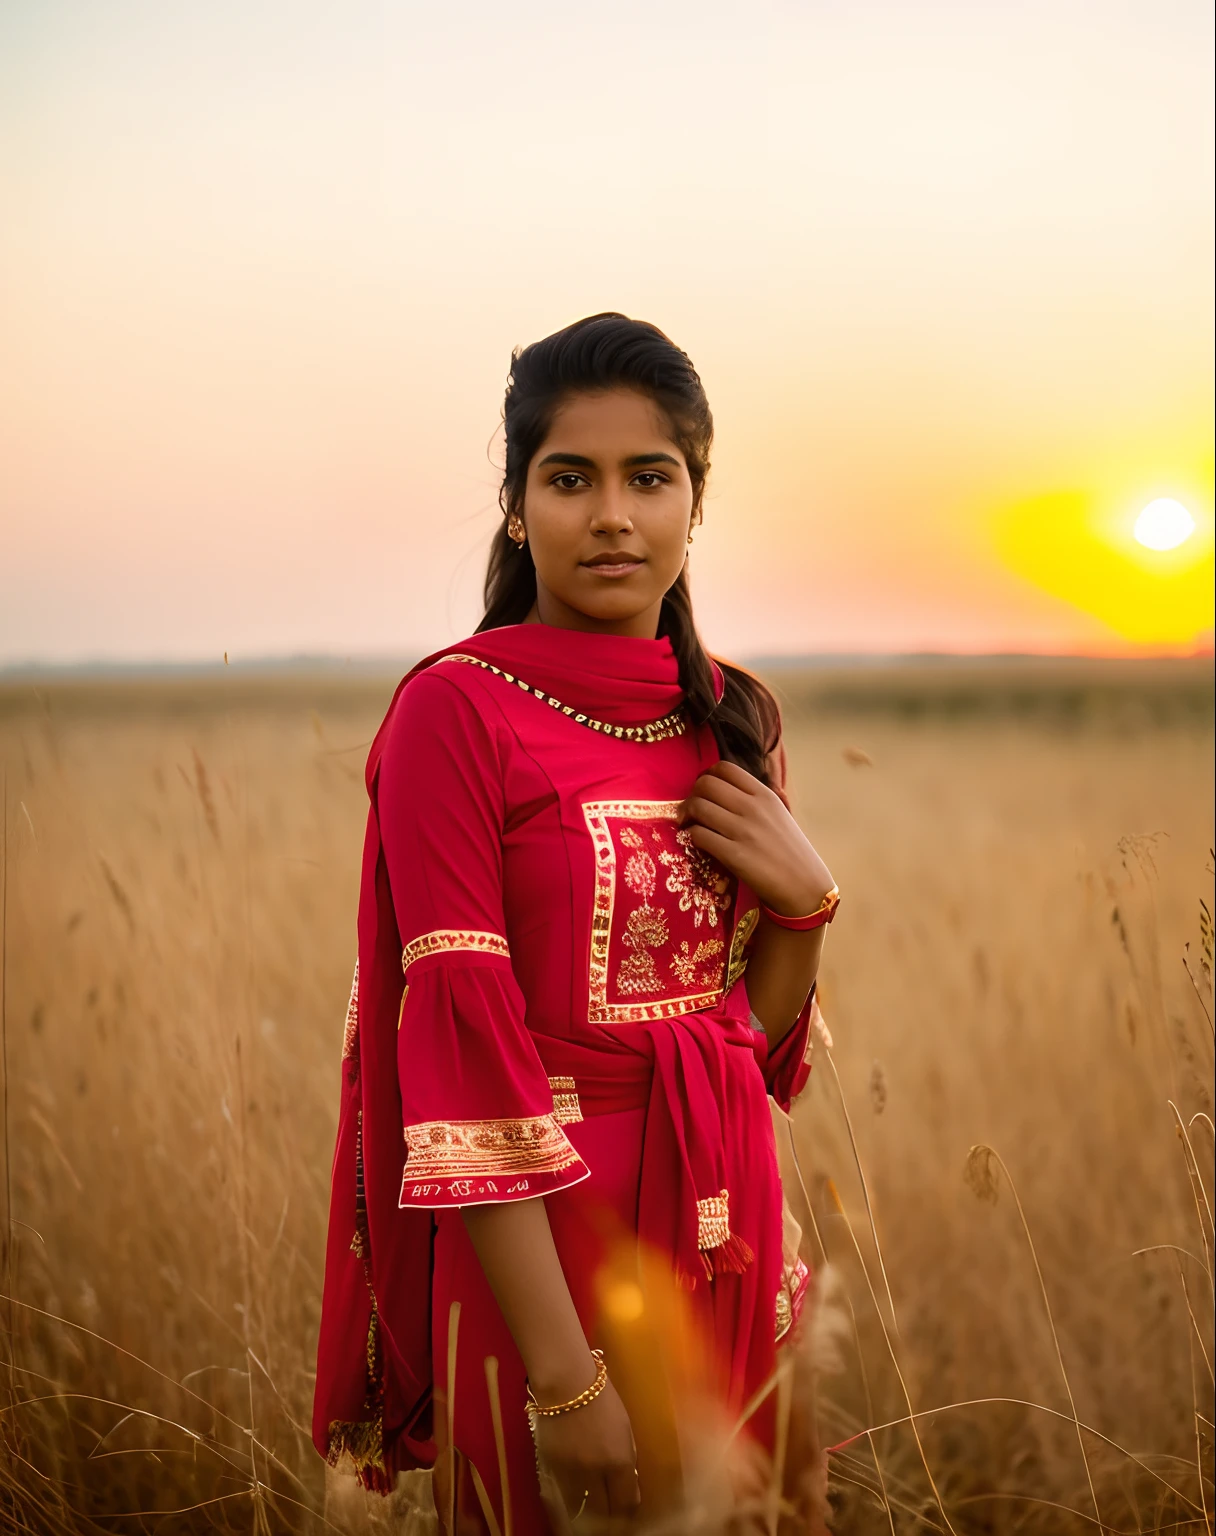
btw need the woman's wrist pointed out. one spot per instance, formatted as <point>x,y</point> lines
<point>801,902</point>
<point>542,1408</point>
<point>562,1377</point>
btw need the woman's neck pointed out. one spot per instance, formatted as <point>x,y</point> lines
<point>550,610</point>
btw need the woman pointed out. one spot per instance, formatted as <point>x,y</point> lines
<point>555,1135</point>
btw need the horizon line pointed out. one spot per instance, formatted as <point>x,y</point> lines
<point>400,662</point>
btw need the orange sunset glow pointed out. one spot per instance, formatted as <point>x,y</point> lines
<point>944,268</point>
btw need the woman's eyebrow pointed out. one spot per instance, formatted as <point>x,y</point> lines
<point>580,461</point>
<point>567,458</point>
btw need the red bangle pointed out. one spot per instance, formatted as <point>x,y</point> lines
<point>823,913</point>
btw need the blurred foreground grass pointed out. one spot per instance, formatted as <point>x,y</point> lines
<point>1023,849</point>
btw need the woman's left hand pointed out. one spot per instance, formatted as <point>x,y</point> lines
<point>747,828</point>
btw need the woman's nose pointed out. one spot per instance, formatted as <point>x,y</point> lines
<point>611,512</point>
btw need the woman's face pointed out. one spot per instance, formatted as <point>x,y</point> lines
<point>607,510</point>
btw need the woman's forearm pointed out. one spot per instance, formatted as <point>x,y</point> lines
<point>780,971</point>
<point>515,1246</point>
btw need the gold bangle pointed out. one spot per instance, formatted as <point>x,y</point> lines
<point>589,1395</point>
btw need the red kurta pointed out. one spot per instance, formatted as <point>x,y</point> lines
<point>568,1018</point>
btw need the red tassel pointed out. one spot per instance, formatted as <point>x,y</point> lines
<point>729,1258</point>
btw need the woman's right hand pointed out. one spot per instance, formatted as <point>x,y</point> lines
<point>591,1455</point>
<point>588,1450</point>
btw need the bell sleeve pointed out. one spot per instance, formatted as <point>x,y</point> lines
<point>480,1119</point>
<point>787,1065</point>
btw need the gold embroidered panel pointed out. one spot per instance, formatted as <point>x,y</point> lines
<point>351,1031</point>
<point>451,1157</point>
<point>659,915</point>
<point>451,940</point>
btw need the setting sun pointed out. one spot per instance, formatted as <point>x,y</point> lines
<point>1164,524</point>
<point>1148,580</point>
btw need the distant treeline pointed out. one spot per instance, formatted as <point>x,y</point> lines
<point>1052,690</point>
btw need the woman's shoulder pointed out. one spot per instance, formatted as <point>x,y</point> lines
<point>447,674</point>
<point>443,703</point>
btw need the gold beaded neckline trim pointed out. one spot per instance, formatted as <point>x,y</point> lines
<point>655,730</point>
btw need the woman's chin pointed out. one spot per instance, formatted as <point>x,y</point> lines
<point>615,613</point>
<point>609,602</point>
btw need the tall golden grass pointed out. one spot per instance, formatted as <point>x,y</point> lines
<point>1006,1154</point>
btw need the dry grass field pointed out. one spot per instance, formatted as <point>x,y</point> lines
<point>1006,1155</point>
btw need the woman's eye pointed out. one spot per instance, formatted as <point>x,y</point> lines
<point>648,479</point>
<point>568,482</point>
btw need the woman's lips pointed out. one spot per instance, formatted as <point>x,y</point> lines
<point>613,568</point>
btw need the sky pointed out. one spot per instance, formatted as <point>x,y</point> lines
<point>945,269</point>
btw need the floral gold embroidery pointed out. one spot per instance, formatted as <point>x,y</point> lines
<point>744,929</point>
<point>646,926</point>
<point>452,940</point>
<point>566,1108</point>
<point>641,872</point>
<point>702,890</point>
<point>462,1152</point>
<point>654,730</point>
<point>686,962</point>
<point>350,1033</point>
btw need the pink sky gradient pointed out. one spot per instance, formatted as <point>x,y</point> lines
<point>264,265</point>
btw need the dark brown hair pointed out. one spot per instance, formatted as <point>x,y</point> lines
<point>610,351</point>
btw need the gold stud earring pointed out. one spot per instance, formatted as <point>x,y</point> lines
<point>515,530</point>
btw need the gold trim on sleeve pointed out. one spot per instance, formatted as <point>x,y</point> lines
<point>451,941</point>
<point>566,1108</point>
<point>451,1156</point>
